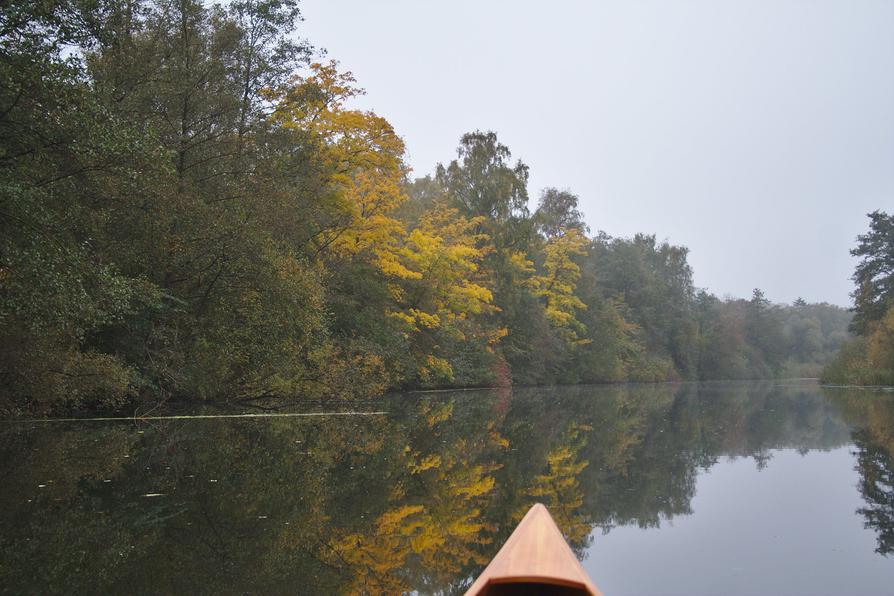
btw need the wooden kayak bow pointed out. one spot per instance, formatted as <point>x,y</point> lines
<point>534,560</point>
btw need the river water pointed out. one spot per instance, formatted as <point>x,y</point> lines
<point>701,488</point>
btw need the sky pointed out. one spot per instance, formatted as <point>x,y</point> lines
<point>758,133</point>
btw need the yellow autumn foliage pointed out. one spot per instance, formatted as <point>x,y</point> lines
<point>556,285</point>
<point>559,487</point>
<point>441,531</point>
<point>363,156</point>
<point>443,284</point>
<point>373,558</point>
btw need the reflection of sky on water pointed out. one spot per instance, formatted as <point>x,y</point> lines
<point>790,528</point>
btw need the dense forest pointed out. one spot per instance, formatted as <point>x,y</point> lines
<point>192,206</point>
<point>868,359</point>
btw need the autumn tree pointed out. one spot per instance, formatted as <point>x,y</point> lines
<point>557,283</point>
<point>483,182</point>
<point>362,157</point>
<point>193,206</point>
<point>443,303</point>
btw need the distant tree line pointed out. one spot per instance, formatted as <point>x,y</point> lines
<point>190,207</point>
<point>869,358</point>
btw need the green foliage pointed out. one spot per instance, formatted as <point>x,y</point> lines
<point>557,211</point>
<point>69,167</point>
<point>748,339</point>
<point>190,208</point>
<point>483,181</point>
<point>874,274</point>
<point>655,281</point>
<point>869,358</point>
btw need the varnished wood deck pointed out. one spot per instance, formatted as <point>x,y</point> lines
<point>535,560</point>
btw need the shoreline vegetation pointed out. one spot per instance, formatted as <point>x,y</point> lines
<point>191,208</point>
<point>868,359</point>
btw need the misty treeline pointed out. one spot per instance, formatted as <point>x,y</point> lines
<point>868,359</point>
<point>191,207</point>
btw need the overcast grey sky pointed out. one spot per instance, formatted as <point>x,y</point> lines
<point>756,132</point>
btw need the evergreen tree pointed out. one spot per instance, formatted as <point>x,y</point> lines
<point>874,274</point>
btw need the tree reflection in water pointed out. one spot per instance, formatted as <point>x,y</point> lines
<point>418,500</point>
<point>873,414</point>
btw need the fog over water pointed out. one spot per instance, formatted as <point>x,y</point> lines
<point>758,134</point>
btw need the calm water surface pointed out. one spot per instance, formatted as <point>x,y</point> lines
<point>732,488</point>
